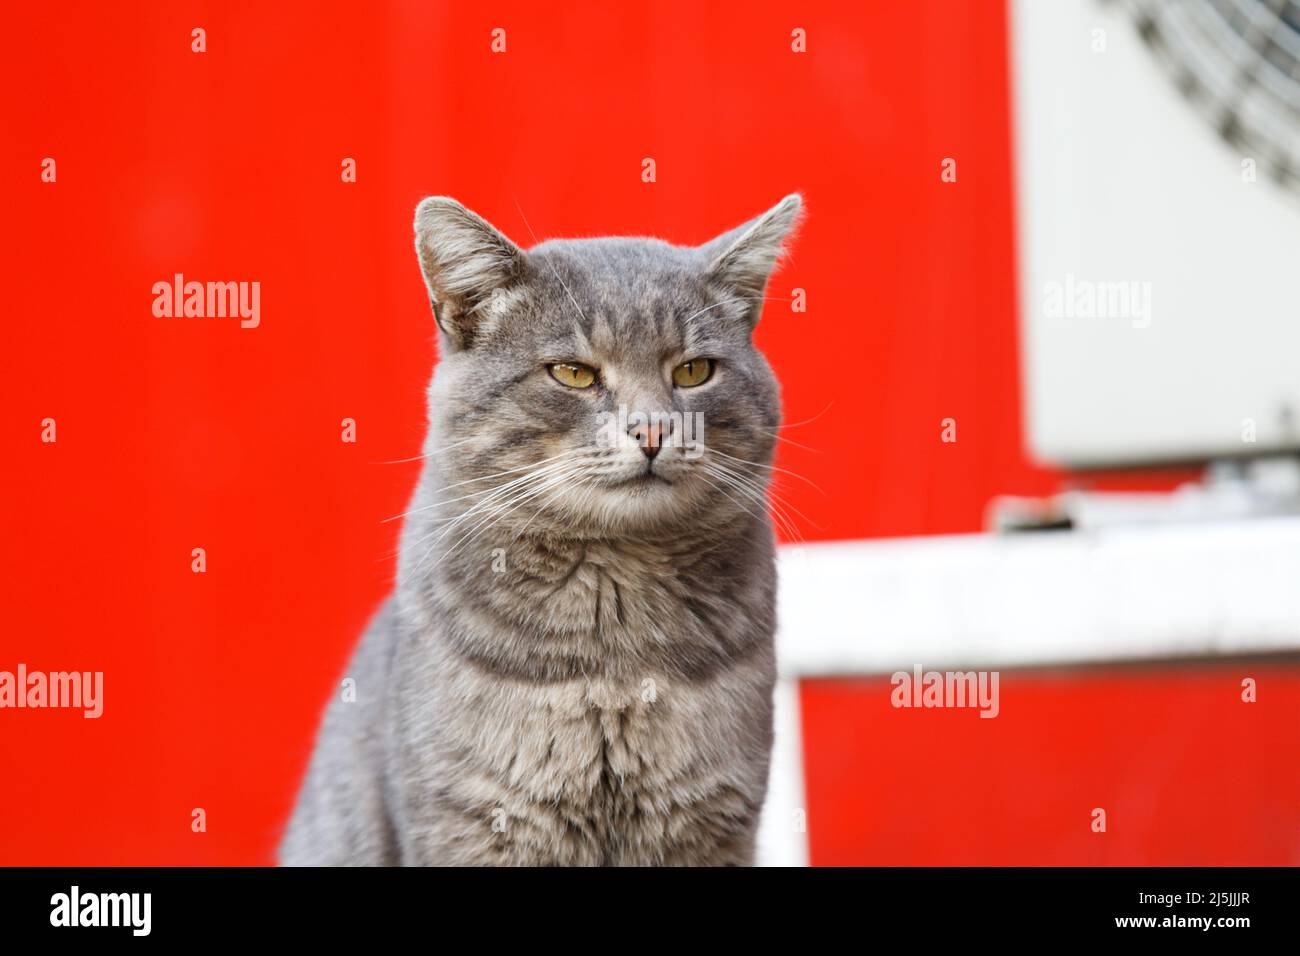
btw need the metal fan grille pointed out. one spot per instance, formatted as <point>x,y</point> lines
<point>1239,61</point>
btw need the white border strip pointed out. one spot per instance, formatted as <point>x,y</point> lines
<point>783,829</point>
<point>863,607</point>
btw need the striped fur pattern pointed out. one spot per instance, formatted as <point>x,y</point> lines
<point>576,666</point>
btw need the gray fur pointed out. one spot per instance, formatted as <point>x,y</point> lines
<point>578,668</point>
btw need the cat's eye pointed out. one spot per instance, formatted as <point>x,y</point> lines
<point>572,374</point>
<point>692,373</point>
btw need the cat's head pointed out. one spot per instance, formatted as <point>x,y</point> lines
<point>614,381</point>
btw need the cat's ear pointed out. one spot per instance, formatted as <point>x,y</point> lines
<point>465,259</point>
<point>744,257</point>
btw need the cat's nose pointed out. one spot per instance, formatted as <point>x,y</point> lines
<point>648,437</point>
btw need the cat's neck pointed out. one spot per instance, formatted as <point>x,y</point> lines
<point>547,606</point>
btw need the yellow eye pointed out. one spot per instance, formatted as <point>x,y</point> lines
<point>572,374</point>
<point>692,373</point>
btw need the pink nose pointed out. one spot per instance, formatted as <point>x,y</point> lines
<point>648,437</point>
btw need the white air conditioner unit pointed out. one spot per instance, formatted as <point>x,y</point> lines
<point>1157,155</point>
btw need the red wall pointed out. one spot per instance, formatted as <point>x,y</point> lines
<point>183,433</point>
<point>1187,773</point>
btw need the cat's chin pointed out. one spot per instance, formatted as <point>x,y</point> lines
<point>642,498</point>
<point>643,504</point>
<point>640,484</point>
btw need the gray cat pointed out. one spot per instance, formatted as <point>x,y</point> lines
<point>577,664</point>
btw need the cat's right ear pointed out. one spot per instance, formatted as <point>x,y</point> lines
<point>464,260</point>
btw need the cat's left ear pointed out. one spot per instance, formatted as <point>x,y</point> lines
<point>744,258</point>
<point>465,259</point>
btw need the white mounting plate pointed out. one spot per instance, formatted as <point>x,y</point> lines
<point>1120,180</point>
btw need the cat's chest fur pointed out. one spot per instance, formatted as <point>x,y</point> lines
<point>613,592</point>
<point>624,715</point>
<point>599,770</point>
<point>612,609</point>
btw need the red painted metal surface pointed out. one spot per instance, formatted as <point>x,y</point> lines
<point>1186,772</point>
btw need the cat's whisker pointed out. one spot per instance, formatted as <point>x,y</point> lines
<point>716,305</point>
<point>507,508</point>
<point>779,502</point>
<point>790,441</point>
<point>497,497</point>
<point>754,479</point>
<point>540,470</point>
<point>515,490</point>
<point>584,481</point>
<point>733,482</point>
<point>806,421</point>
<point>765,497</point>
<point>739,504</point>
<point>508,471</point>
<point>511,503</point>
<point>759,464</point>
<point>428,454</point>
<point>496,490</point>
<point>710,308</point>
<point>556,479</point>
<point>554,271</point>
<point>446,501</point>
<point>505,491</point>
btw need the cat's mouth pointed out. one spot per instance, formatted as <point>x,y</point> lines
<point>645,479</point>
